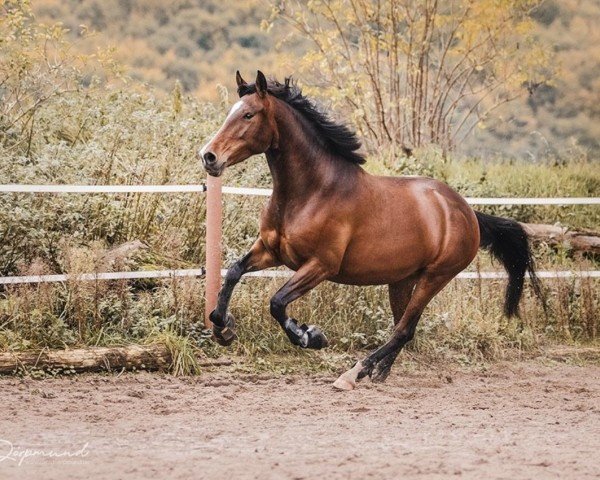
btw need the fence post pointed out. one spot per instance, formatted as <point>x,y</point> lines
<point>214,207</point>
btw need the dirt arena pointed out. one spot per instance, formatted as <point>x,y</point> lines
<point>511,420</point>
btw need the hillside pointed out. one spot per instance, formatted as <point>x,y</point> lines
<point>567,113</point>
<point>201,44</point>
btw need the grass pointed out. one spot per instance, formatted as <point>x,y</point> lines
<point>183,351</point>
<point>463,323</point>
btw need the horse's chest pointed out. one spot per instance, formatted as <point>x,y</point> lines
<point>271,239</point>
<point>284,234</point>
<point>287,248</point>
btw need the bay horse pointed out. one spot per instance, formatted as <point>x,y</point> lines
<point>328,219</point>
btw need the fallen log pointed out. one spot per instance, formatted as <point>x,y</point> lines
<point>96,359</point>
<point>557,235</point>
<point>93,359</point>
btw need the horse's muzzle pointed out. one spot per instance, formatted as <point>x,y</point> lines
<point>211,164</point>
<point>214,172</point>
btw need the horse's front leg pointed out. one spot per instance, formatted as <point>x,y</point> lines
<point>306,278</point>
<point>258,258</point>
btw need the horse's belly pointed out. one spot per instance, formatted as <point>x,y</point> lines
<point>383,262</point>
<point>407,231</point>
<point>369,278</point>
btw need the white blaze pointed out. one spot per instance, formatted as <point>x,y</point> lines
<point>235,108</point>
<point>203,149</point>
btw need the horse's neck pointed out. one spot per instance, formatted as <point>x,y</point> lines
<point>299,166</point>
<point>294,174</point>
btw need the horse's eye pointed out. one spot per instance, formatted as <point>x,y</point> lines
<point>248,116</point>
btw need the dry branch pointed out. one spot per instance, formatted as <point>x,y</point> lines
<point>582,241</point>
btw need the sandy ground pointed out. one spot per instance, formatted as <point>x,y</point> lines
<point>512,420</point>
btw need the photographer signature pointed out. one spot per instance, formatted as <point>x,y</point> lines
<point>8,452</point>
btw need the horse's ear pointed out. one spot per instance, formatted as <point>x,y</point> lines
<point>239,80</point>
<point>261,84</point>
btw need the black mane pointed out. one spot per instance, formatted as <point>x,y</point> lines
<point>334,137</point>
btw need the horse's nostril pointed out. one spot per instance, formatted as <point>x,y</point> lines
<point>209,157</point>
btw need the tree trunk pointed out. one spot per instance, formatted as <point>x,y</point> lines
<point>582,241</point>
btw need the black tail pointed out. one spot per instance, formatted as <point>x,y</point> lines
<point>507,241</point>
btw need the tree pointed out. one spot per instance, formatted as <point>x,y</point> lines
<point>415,72</point>
<point>37,64</point>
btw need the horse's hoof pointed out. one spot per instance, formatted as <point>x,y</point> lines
<point>344,384</point>
<point>347,380</point>
<point>314,338</point>
<point>225,336</point>
<point>305,336</point>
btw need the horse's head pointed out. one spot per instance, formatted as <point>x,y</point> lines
<point>249,129</point>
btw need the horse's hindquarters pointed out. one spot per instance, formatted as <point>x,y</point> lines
<point>410,224</point>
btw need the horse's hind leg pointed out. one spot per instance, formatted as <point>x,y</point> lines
<point>427,286</point>
<point>400,294</point>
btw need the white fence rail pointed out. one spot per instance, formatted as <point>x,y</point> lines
<point>191,272</point>
<point>463,275</point>
<point>15,188</point>
<point>200,188</point>
<point>471,200</point>
<point>199,272</point>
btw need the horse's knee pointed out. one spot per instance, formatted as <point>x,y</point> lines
<point>231,275</point>
<point>237,269</point>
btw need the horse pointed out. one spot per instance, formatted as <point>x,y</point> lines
<point>329,219</point>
